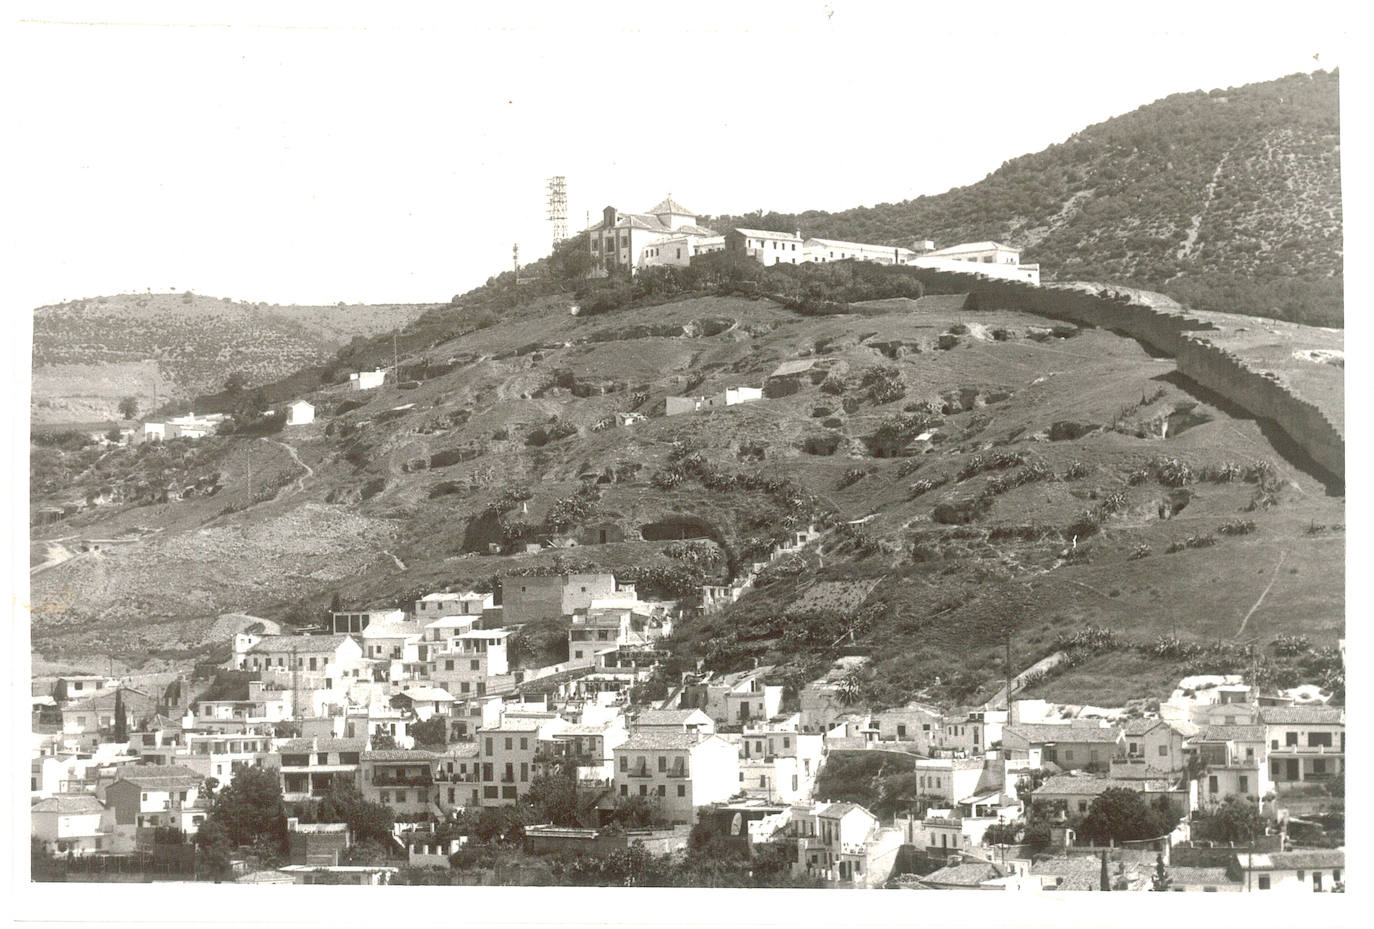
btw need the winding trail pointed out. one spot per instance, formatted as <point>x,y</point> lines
<point>299,483</point>
<point>1274,577</point>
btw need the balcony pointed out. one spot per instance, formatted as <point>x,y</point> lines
<point>413,780</point>
<point>507,778</point>
<point>1327,750</point>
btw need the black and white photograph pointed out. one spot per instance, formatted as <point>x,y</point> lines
<point>744,450</point>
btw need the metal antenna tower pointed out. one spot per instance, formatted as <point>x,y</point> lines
<point>558,207</point>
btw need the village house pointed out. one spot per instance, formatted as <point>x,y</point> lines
<point>424,701</point>
<point>1234,763</point>
<point>1154,742</point>
<point>353,622</point>
<point>308,662</point>
<point>946,781</point>
<point>308,768</point>
<point>730,396</point>
<point>1085,745</point>
<point>679,771</point>
<point>843,844</point>
<point>439,605</point>
<point>72,824</point>
<point>76,686</point>
<point>584,751</point>
<point>508,751</point>
<point>1303,871</point>
<point>965,873</point>
<point>391,641</point>
<point>1306,743</point>
<point>682,720</point>
<point>86,719</point>
<point>210,754</point>
<point>529,598</point>
<point>1189,879</point>
<point>300,413</point>
<point>151,796</point>
<point>366,380</point>
<point>915,722</point>
<point>970,731</point>
<point>766,247</point>
<point>735,699</point>
<point>1073,794</point>
<point>457,776</point>
<point>475,666</point>
<point>401,779</point>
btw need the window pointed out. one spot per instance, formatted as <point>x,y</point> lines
<point>682,792</point>
<point>1290,738</point>
<point>386,796</point>
<point>624,762</point>
<point>524,771</point>
<point>1301,874</point>
<point>624,790</point>
<point>1164,750</point>
<point>488,745</point>
<point>401,796</point>
<point>1263,882</point>
<point>662,790</point>
<point>476,665</point>
<point>901,731</point>
<point>1068,754</point>
<point>643,789</point>
<point>1244,784</point>
<point>524,744</point>
<point>510,743</point>
<point>662,763</point>
<point>1212,784</point>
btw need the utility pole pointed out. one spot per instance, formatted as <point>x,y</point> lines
<point>295,685</point>
<point>1009,675</point>
<point>395,360</point>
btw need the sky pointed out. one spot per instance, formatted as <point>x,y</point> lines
<point>322,153</point>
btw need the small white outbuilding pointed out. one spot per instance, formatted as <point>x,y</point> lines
<point>300,413</point>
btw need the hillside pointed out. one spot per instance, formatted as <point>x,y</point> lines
<point>88,354</point>
<point>1069,476</point>
<point>1228,200</point>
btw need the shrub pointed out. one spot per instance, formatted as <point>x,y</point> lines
<point>1076,470</point>
<point>851,477</point>
<point>1237,527</point>
<point>1193,541</point>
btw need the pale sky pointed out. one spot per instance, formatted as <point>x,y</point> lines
<point>311,154</point>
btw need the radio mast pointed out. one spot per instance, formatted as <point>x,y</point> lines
<point>557,203</point>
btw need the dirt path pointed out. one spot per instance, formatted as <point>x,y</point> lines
<point>400,565</point>
<point>1264,594</point>
<point>57,554</point>
<point>299,483</point>
<point>999,699</point>
<point>1195,226</point>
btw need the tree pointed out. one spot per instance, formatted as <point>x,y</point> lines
<point>114,435</point>
<point>214,848</point>
<point>1161,880</point>
<point>250,811</point>
<point>1120,814</point>
<point>554,799</point>
<point>432,733</point>
<point>128,408</point>
<point>1234,820</point>
<point>383,741</point>
<point>235,384</point>
<point>121,725</point>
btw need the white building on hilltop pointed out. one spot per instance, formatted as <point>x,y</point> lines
<point>632,241</point>
<point>766,247</point>
<point>826,250</point>
<point>992,260</point>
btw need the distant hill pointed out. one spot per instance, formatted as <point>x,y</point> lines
<point>1226,201</point>
<point>87,354</point>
